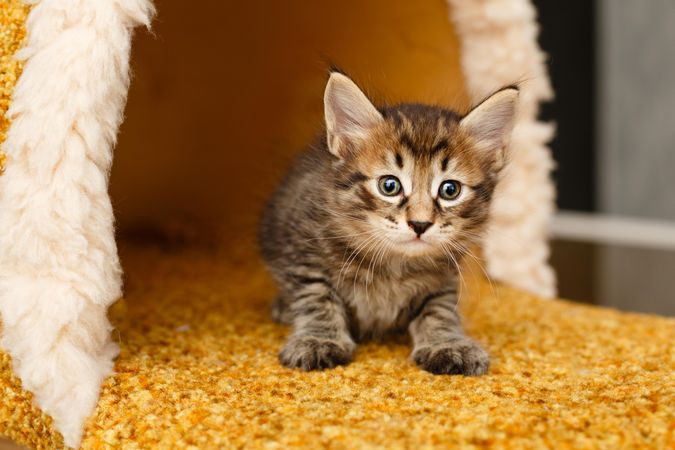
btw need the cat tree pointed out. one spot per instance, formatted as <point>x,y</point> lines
<point>59,269</point>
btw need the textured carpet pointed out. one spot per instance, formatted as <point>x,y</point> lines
<point>12,17</point>
<point>198,368</point>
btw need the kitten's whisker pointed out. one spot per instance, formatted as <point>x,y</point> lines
<point>356,276</point>
<point>482,267</point>
<point>466,252</point>
<point>388,247</point>
<point>350,258</point>
<point>347,261</point>
<point>462,282</point>
<point>353,256</point>
<point>378,245</point>
<point>375,262</point>
<point>432,261</point>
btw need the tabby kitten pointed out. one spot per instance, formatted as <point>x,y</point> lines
<point>364,234</point>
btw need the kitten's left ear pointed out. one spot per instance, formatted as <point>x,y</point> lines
<point>349,115</point>
<point>491,122</point>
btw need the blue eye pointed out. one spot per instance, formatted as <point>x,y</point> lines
<point>389,185</point>
<point>449,190</point>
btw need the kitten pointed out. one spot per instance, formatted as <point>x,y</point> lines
<point>364,234</point>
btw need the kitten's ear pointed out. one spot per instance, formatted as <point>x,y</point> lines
<point>491,122</point>
<point>349,114</point>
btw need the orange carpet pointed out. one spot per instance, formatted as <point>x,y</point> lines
<point>198,369</point>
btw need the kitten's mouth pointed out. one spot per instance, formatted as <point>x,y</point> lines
<point>416,242</point>
<point>414,247</point>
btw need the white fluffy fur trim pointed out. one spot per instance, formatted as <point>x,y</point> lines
<point>499,47</point>
<point>59,269</point>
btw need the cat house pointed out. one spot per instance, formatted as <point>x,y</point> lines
<point>221,96</point>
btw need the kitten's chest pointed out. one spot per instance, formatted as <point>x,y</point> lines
<point>379,303</point>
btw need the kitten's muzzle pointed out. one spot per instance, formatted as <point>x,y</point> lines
<point>419,227</point>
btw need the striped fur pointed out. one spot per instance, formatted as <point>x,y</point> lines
<point>346,259</point>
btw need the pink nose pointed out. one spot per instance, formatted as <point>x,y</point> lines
<point>419,227</point>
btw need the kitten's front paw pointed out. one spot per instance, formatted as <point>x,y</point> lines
<point>314,353</point>
<point>460,357</point>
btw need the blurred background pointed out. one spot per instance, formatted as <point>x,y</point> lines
<point>612,65</point>
<point>224,96</point>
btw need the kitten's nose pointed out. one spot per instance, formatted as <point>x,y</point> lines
<point>419,227</point>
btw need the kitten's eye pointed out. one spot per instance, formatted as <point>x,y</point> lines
<point>449,190</point>
<point>389,185</point>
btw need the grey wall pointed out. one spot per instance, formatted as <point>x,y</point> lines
<point>635,279</point>
<point>636,107</point>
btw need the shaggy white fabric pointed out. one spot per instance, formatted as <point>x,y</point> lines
<point>499,47</point>
<point>59,269</point>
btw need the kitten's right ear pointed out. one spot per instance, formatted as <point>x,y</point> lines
<point>349,114</point>
<point>491,122</point>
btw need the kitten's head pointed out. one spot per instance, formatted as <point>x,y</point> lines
<point>414,180</point>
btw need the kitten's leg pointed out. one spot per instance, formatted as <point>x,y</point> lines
<point>320,337</point>
<point>439,343</point>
